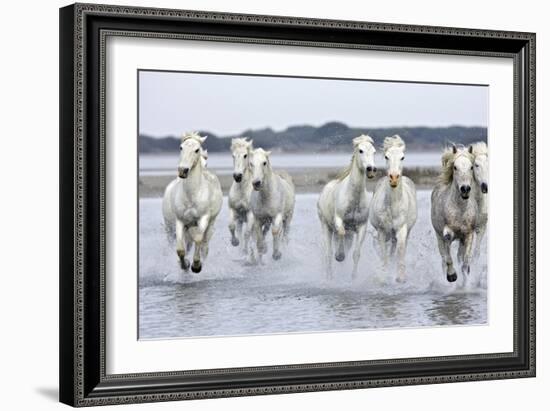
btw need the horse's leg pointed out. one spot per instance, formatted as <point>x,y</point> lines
<point>198,236</point>
<point>361,234</point>
<point>249,220</point>
<point>180,245</point>
<point>276,231</point>
<point>382,244</point>
<point>206,241</point>
<point>341,232</point>
<point>327,240</point>
<point>445,250</point>
<point>232,226</point>
<point>259,233</point>
<point>468,243</point>
<point>478,239</point>
<point>460,253</point>
<point>401,246</point>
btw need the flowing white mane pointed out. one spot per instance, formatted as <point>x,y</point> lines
<point>240,142</point>
<point>479,149</point>
<point>192,135</point>
<point>363,138</point>
<point>448,161</point>
<point>394,141</point>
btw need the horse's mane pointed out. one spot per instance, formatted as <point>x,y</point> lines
<point>191,134</point>
<point>479,149</point>
<point>363,138</point>
<point>448,161</point>
<point>394,141</point>
<point>240,142</point>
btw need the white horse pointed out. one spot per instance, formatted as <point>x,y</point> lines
<point>192,202</point>
<point>343,205</point>
<point>481,175</point>
<point>393,209</point>
<point>455,209</point>
<point>271,202</point>
<point>240,192</point>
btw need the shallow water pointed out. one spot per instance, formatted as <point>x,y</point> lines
<point>291,295</point>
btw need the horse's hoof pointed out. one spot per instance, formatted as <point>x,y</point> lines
<point>451,277</point>
<point>340,257</point>
<point>184,264</point>
<point>234,242</point>
<point>277,255</point>
<point>447,237</point>
<point>466,269</point>
<point>196,267</point>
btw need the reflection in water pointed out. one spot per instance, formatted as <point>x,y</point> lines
<point>291,295</point>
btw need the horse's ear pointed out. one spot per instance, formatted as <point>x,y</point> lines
<point>203,139</point>
<point>471,149</point>
<point>454,149</point>
<point>250,143</point>
<point>268,153</point>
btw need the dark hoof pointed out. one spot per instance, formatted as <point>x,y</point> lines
<point>234,242</point>
<point>196,267</point>
<point>451,277</point>
<point>340,257</point>
<point>277,255</point>
<point>447,237</point>
<point>184,264</point>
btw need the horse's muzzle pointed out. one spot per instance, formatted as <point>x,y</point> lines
<point>183,172</point>
<point>484,188</point>
<point>257,185</point>
<point>238,177</point>
<point>371,172</point>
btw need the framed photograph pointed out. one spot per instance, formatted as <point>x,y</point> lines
<point>261,204</point>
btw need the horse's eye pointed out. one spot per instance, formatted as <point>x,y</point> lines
<point>245,156</point>
<point>181,148</point>
<point>386,157</point>
<point>477,165</point>
<point>454,167</point>
<point>361,151</point>
<point>471,168</point>
<point>197,150</point>
<point>402,158</point>
<point>265,163</point>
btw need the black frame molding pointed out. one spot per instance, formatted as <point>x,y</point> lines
<point>83,32</point>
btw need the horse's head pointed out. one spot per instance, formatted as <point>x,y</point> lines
<point>241,150</point>
<point>261,167</point>
<point>463,171</point>
<point>364,153</point>
<point>394,153</point>
<point>481,165</point>
<point>191,153</point>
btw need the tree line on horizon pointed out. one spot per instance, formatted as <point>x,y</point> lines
<point>330,137</point>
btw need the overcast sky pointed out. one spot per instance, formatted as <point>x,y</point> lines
<point>171,103</point>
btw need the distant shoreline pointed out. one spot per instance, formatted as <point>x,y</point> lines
<point>306,180</point>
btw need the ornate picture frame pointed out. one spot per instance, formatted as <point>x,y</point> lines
<point>84,29</point>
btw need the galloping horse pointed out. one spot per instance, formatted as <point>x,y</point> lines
<point>271,202</point>
<point>455,208</point>
<point>343,204</point>
<point>393,209</point>
<point>192,202</point>
<point>240,192</point>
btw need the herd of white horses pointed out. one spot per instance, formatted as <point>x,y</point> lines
<point>261,200</point>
